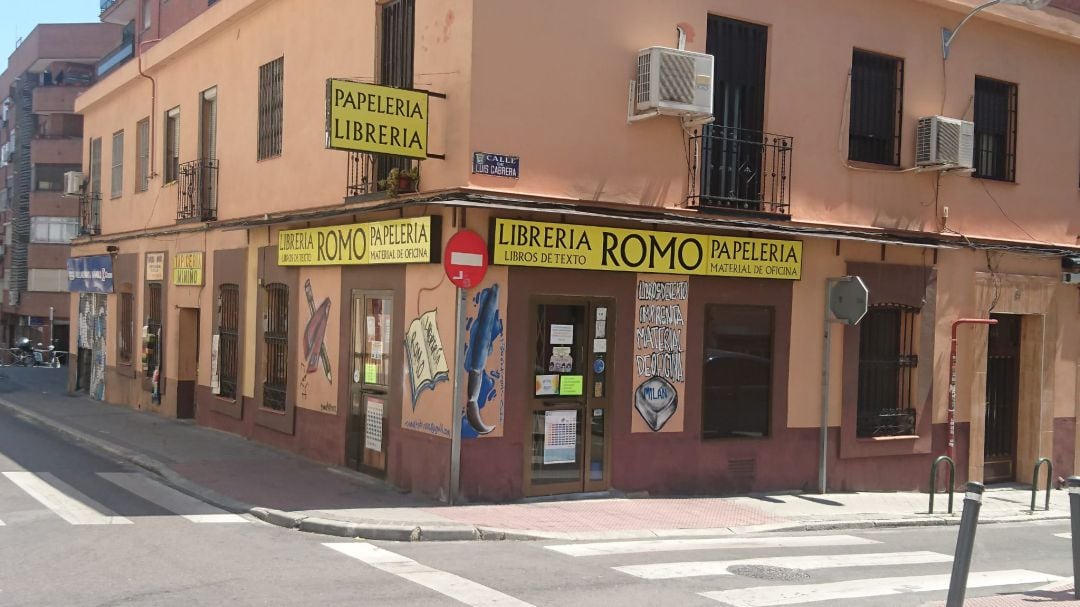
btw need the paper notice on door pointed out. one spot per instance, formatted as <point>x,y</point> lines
<point>601,314</point>
<point>571,385</point>
<point>560,437</point>
<point>601,328</point>
<point>547,385</point>
<point>373,423</point>
<point>599,346</point>
<point>370,326</point>
<point>375,347</point>
<point>562,335</point>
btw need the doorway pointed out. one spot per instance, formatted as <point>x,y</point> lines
<point>369,392</point>
<point>187,372</point>
<point>568,421</point>
<point>1002,399</point>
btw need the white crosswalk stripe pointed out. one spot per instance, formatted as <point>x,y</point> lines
<point>170,499</point>
<point>64,500</point>
<point>730,543</point>
<point>663,571</point>
<point>1067,536</point>
<point>775,596</point>
<point>445,583</point>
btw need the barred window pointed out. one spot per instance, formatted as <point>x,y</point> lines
<point>127,327</point>
<point>171,153</point>
<point>116,184</point>
<point>877,92</point>
<point>995,129</point>
<point>228,332</point>
<point>276,338</point>
<point>397,25</point>
<point>887,361</point>
<point>142,155</point>
<point>153,327</point>
<point>271,100</point>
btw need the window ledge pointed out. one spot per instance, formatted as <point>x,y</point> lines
<point>882,439</point>
<point>874,166</point>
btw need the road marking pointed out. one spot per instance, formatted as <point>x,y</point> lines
<point>448,584</point>
<point>170,499</point>
<point>606,548</point>
<point>64,500</point>
<point>1067,536</point>
<point>664,571</point>
<point>771,596</point>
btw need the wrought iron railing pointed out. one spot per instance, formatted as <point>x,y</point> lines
<point>197,191</point>
<point>90,214</point>
<point>370,173</point>
<point>740,169</point>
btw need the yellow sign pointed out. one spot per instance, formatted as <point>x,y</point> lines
<point>155,266</point>
<point>371,118</point>
<point>375,242</point>
<point>188,269</point>
<point>557,245</point>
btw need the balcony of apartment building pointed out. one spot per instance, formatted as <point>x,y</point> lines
<point>118,11</point>
<point>740,170</point>
<point>197,190</point>
<point>122,53</point>
<point>47,197</point>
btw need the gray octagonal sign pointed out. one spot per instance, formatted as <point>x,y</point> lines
<point>848,299</point>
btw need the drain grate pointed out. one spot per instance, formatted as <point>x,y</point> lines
<point>768,572</point>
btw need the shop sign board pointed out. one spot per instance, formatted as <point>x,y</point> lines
<point>559,245</point>
<point>188,269</point>
<point>362,117</point>
<point>155,266</point>
<point>412,240</point>
<point>92,274</point>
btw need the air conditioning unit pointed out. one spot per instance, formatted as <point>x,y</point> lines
<point>944,142</point>
<point>675,82</point>
<point>73,183</point>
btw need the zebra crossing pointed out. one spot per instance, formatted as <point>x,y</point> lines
<point>863,586</point>
<point>77,508</point>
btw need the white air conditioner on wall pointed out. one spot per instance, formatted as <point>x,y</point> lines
<point>73,182</point>
<point>944,142</point>
<point>672,81</point>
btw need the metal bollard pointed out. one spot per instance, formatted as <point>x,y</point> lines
<point>965,542</point>
<point>1073,483</point>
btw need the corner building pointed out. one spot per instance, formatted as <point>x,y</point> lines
<point>653,313</point>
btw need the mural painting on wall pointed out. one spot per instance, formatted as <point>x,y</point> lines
<point>659,353</point>
<point>316,385</point>
<point>426,407</point>
<point>484,361</point>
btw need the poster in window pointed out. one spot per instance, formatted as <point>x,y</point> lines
<point>560,437</point>
<point>373,423</point>
<point>659,371</point>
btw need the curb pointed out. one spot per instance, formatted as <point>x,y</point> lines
<point>450,532</point>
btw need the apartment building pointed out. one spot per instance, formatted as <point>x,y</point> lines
<point>270,261</point>
<point>40,140</point>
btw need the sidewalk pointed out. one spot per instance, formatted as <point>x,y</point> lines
<point>290,491</point>
<point>1058,593</point>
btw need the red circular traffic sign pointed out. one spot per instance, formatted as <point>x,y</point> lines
<point>465,259</point>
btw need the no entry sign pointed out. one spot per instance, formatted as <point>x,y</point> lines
<point>465,259</point>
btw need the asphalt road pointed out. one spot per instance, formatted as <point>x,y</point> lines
<point>79,529</point>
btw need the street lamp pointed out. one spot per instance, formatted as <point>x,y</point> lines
<point>947,35</point>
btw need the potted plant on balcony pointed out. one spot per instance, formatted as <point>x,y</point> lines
<point>400,181</point>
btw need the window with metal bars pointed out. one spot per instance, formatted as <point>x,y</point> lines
<point>887,361</point>
<point>171,153</point>
<point>127,327</point>
<point>276,339</point>
<point>229,333</point>
<point>995,129</point>
<point>142,155</point>
<point>877,93</point>
<point>153,327</point>
<point>271,102</point>
<point>396,38</point>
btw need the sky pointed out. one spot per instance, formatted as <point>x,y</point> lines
<point>29,13</point>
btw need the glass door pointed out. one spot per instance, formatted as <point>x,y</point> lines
<point>372,327</point>
<point>568,405</point>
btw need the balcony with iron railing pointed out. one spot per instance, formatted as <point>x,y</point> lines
<point>89,213</point>
<point>119,55</point>
<point>197,190</point>
<point>369,174</point>
<point>740,170</point>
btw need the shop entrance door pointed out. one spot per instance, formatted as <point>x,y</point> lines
<point>369,391</point>
<point>567,445</point>
<point>1002,399</point>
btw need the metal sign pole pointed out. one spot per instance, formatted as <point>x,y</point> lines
<point>459,392</point>
<point>824,442</point>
